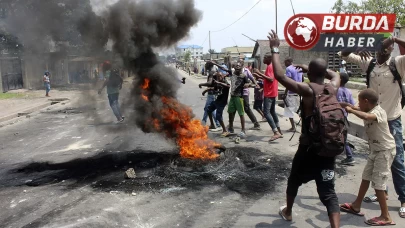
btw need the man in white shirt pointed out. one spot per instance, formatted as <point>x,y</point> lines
<point>342,67</point>
<point>381,80</point>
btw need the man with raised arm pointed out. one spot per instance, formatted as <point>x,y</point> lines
<point>307,164</point>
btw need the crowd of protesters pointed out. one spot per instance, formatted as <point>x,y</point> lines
<point>380,106</point>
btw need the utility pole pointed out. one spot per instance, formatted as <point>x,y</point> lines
<point>209,34</point>
<point>276,17</point>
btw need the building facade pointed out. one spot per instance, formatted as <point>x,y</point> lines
<point>195,51</point>
<point>235,52</point>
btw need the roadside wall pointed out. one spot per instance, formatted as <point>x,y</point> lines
<point>33,68</point>
<point>304,57</point>
<point>33,71</point>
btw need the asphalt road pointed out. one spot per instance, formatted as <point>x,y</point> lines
<point>64,167</point>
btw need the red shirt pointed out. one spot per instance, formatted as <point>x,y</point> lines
<point>270,88</point>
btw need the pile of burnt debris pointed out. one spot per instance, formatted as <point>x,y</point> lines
<point>244,170</point>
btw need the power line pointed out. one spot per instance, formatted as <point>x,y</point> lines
<point>239,18</point>
<point>292,7</point>
<point>249,38</point>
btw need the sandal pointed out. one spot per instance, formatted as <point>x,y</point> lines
<point>225,134</point>
<point>274,138</point>
<point>281,213</point>
<point>373,198</point>
<point>370,199</point>
<point>375,222</point>
<point>401,212</point>
<point>349,209</point>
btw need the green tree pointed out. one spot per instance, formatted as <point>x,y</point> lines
<point>372,6</point>
<point>187,56</point>
<point>338,7</point>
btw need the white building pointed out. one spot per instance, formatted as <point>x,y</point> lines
<point>236,52</point>
<point>195,50</point>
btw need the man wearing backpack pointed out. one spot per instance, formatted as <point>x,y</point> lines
<point>315,157</point>
<point>385,75</point>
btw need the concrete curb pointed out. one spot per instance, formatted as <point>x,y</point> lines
<point>27,111</point>
<point>356,85</point>
<point>32,109</point>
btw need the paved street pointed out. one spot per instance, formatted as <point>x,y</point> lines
<point>64,167</point>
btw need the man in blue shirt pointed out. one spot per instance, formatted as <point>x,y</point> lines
<point>222,71</point>
<point>292,100</point>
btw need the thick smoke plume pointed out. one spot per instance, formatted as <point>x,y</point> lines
<point>136,27</point>
<point>38,23</point>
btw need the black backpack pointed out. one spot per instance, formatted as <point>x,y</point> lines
<point>394,71</point>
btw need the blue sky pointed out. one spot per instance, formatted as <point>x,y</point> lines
<point>218,14</point>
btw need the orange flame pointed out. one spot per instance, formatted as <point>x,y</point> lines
<point>145,86</point>
<point>156,124</point>
<point>145,97</point>
<point>146,83</point>
<point>189,134</point>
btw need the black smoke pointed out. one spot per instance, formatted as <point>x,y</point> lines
<point>137,27</point>
<point>36,24</point>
